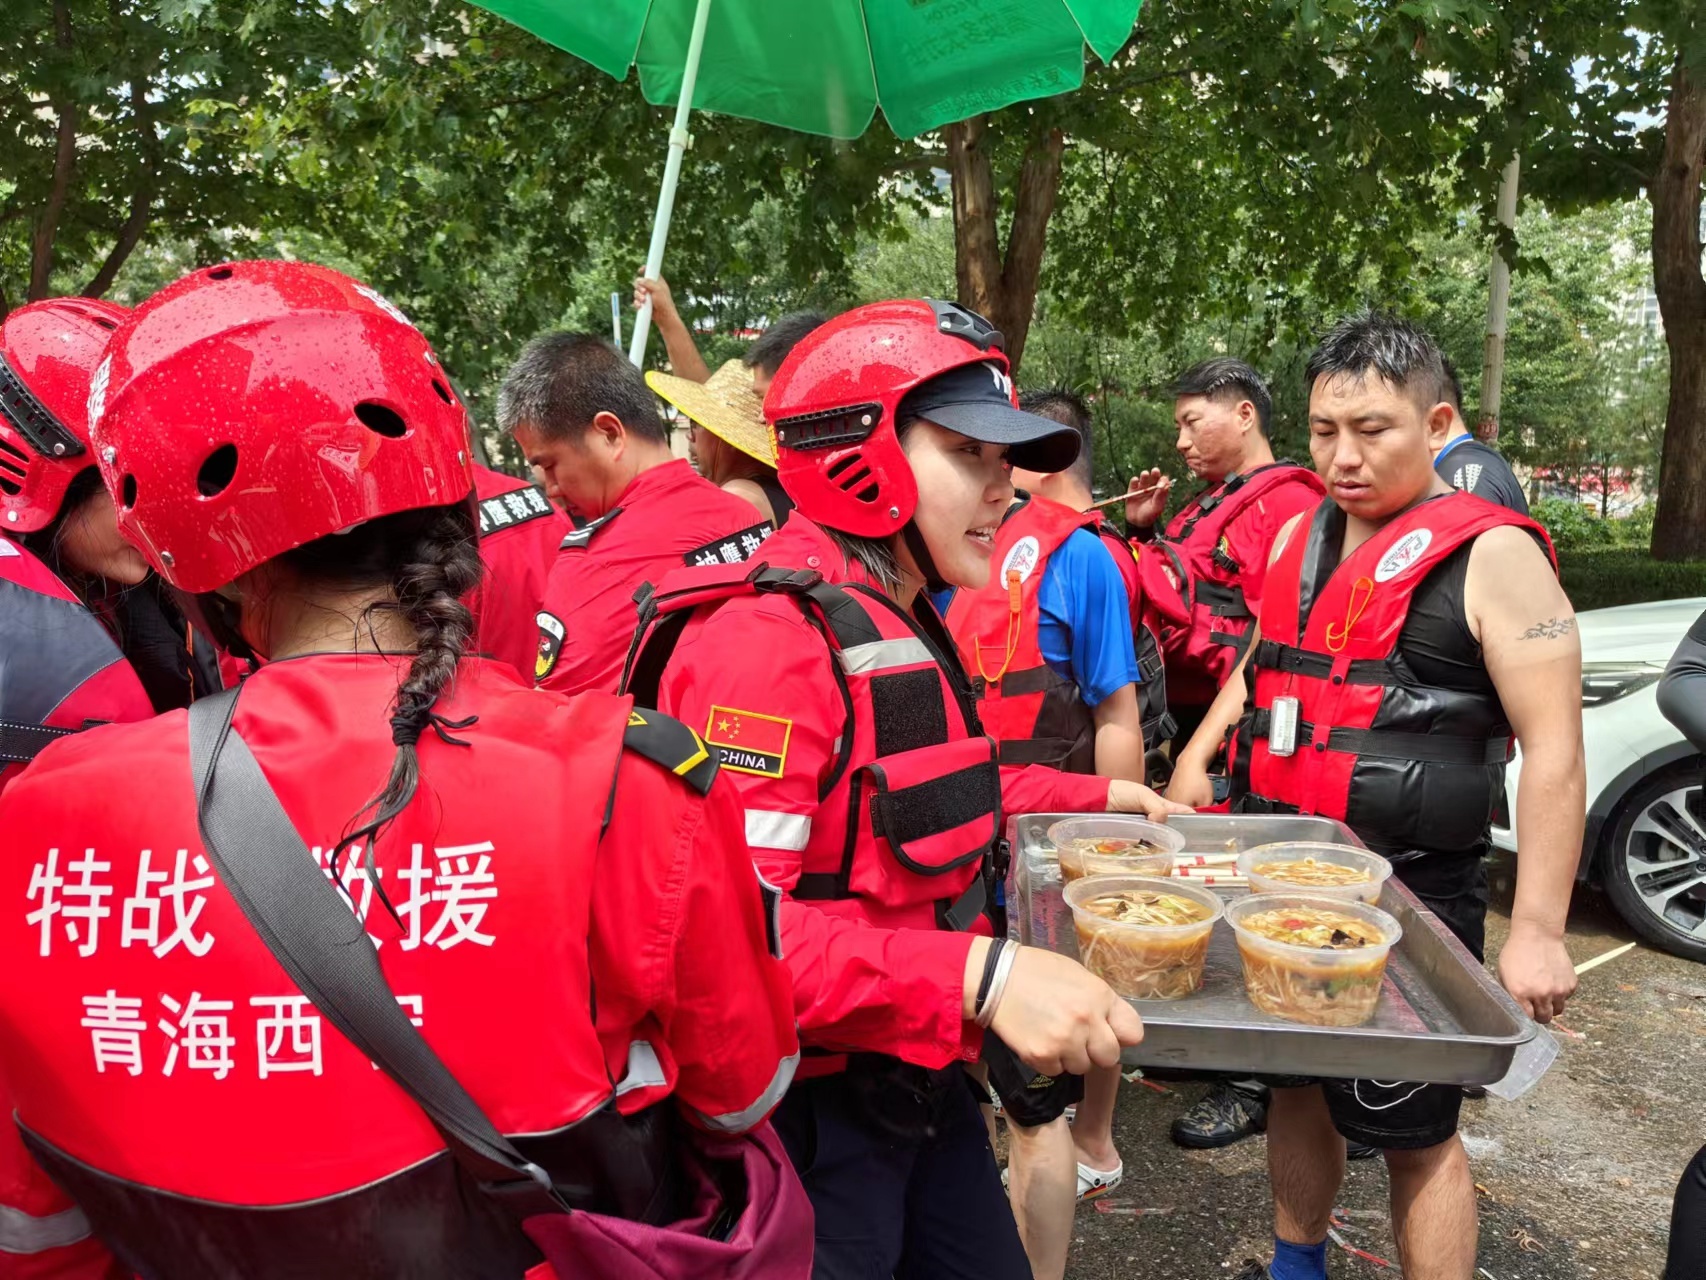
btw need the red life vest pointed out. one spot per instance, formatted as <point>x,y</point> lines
<point>1036,714</point>
<point>60,669</point>
<point>167,1045</point>
<point>1409,767</point>
<point>1220,616</point>
<point>1156,581</point>
<point>905,835</point>
<point>520,532</point>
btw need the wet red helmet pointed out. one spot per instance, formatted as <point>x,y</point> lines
<point>48,352</point>
<point>836,402</point>
<point>256,406</point>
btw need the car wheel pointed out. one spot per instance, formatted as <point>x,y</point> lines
<point>1653,860</point>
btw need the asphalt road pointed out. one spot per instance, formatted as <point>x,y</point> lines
<point>1575,1178</point>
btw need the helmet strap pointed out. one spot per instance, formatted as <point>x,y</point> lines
<point>921,557</point>
<point>216,618</point>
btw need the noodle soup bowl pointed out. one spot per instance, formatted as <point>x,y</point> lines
<point>1143,961</point>
<point>1088,846</point>
<point>1321,986</point>
<point>1374,869</point>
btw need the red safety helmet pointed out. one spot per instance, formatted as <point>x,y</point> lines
<point>48,352</point>
<point>836,399</point>
<point>256,406</point>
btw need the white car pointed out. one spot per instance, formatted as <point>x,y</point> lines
<point>1646,813</point>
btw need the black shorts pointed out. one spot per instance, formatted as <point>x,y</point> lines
<point>1029,1098</point>
<point>1396,1115</point>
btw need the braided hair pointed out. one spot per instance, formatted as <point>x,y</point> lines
<point>428,560</point>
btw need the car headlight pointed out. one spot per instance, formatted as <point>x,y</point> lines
<point>1604,682</point>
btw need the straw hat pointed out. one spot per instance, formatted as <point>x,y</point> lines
<point>726,406</point>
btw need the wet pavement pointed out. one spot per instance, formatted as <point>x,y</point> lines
<point>1574,1179</point>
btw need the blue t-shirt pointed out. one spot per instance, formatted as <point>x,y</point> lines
<point>1084,627</point>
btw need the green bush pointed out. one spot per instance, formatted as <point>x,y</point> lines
<point>1598,578</point>
<point>1572,526</point>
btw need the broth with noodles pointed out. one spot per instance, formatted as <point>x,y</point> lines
<point>1337,989</point>
<point>1144,965</point>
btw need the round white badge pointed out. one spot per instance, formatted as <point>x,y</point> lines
<point>1022,557</point>
<point>1401,557</point>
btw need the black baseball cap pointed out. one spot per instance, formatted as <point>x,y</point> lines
<point>975,400</point>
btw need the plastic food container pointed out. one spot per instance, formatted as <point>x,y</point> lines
<point>1114,844</point>
<point>1374,868</point>
<point>1316,985</point>
<point>1142,961</point>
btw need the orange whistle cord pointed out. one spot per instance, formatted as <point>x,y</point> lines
<point>1362,591</point>
<point>1013,584</point>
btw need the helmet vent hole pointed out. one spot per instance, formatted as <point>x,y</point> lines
<point>103,322</point>
<point>852,475</point>
<point>380,419</point>
<point>443,391</point>
<point>219,273</point>
<point>127,487</point>
<point>215,476</point>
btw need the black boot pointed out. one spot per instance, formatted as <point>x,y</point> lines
<point>1230,1112</point>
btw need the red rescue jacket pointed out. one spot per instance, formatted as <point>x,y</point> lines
<point>578,934</point>
<point>872,796</point>
<point>60,669</point>
<point>520,532</point>
<point>667,518</point>
<point>1409,767</point>
<point>1036,714</point>
<point>1226,579</point>
<point>1159,588</point>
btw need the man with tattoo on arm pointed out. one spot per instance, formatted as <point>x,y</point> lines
<point>1407,633</point>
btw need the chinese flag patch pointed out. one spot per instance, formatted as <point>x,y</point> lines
<point>749,742</point>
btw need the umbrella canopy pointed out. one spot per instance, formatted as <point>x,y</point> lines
<point>825,66</point>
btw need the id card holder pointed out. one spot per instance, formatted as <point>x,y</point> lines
<point>1282,727</point>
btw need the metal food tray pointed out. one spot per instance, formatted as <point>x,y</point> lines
<point>1441,1017</point>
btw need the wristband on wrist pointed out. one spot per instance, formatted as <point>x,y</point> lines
<point>998,988</point>
<point>991,959</point>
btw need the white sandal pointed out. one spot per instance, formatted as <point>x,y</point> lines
<point>1096,1183</point>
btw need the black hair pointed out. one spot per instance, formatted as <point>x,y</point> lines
<point>1227,381</point>
<point>562,381</point>
<point>47,543</point>
<point>773,346</point>
<point>1453,384</point>
<point>428,560</point>
<point>1402,353</point>
<point>1067,407</point>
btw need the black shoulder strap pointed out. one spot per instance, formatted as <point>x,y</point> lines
<point>665,741</point>
<point>24,742</point>
<point>311,931</point>
<point>581,535</point>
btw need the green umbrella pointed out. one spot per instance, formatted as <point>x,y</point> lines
<point>825,66</point>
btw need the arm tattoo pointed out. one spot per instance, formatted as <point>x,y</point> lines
<point>1551,629</point>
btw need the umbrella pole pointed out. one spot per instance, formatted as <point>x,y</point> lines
<point>671,176</point>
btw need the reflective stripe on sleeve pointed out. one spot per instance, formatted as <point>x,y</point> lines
<point>767,829</point>
<point>741,1121</point>
<point>644,1069</point>
<point>21,1232</point>
<point>880,655</point>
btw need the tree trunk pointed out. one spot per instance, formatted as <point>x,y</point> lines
<point>141,199</point>
<point>1679,529</point>
<point>1002,286</point>
<point>64,160</point>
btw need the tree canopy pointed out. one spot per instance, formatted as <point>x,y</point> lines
<point>1237,173</point>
